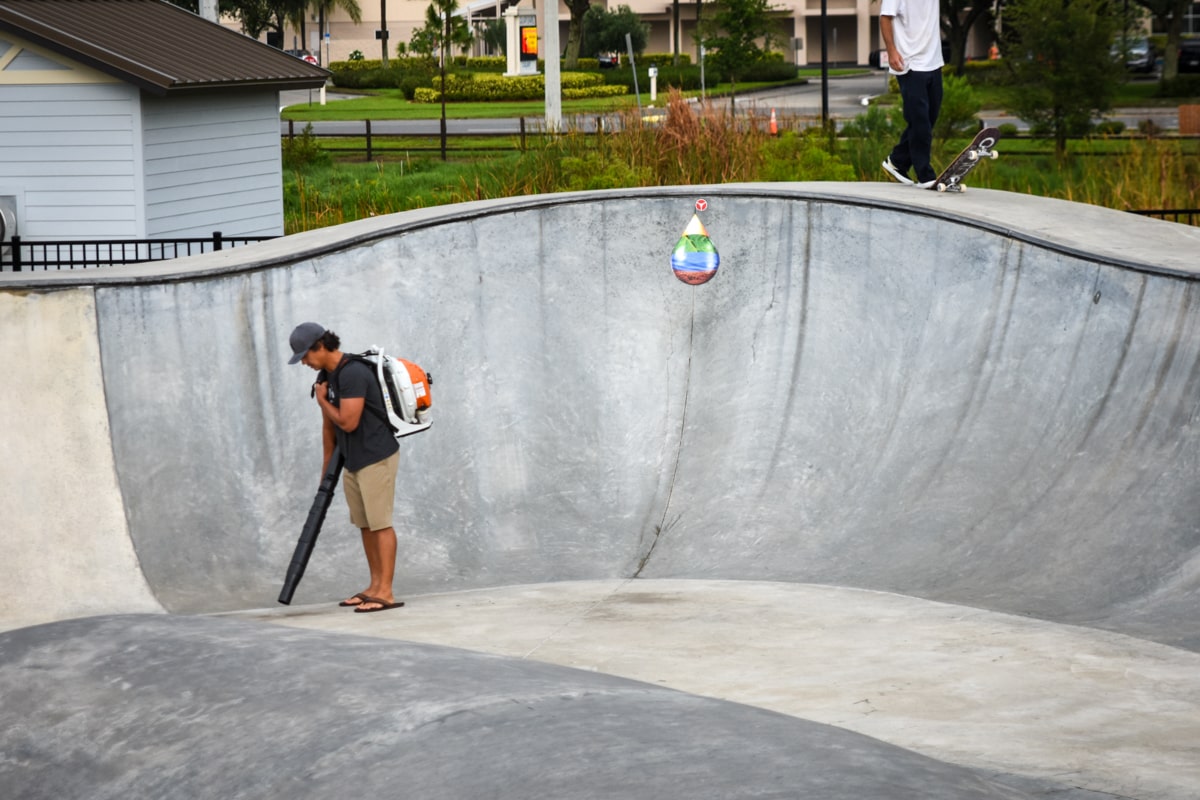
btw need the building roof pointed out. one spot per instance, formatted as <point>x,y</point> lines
<point>154,45</point>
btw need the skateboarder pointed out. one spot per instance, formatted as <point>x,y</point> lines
<point>912,34</point>
<point>352,418</point>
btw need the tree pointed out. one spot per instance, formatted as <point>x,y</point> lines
<point>958,18</point>
<point>1169,14</point>
<point>733,31</point>
<point>323,7</point>
<point>1057,54</point>
<point>495,36</point>
<point>579,10</point>
<point>442,31</point>
<point>604,31</point>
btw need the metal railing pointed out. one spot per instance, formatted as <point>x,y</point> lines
<point>1186,216</point>
<point>376,144</point>
<point>21,254</point>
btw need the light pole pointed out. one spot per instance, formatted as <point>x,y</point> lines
<point>824,64</point>
<point>383,37</point>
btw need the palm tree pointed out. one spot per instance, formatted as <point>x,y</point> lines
<point>322,9</point>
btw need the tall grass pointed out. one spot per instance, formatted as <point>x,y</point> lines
<point>701,144</point>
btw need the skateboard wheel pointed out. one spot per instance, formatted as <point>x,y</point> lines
<point>941,187</point>
<point>972,155</point>
<point>994,155</point>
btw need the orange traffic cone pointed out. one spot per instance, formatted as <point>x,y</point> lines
<point>774,126</point>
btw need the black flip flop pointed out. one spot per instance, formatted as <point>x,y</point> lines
<point>382,605</point>
<point>361,598</point>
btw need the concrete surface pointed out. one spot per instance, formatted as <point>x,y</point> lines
<point>1063,706</point>
<point>1009,428</point>
<point>214,709</point>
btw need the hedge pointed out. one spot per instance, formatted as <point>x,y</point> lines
<point>485,87</point>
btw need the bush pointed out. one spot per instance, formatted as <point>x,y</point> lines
<point>770,71</point>
<point>1180,86</point>
<point>882,122</point>
<point>303,150</point>
<point>486,63</point>
<point>1110,127</point>
<point>487,87</point>
<point>959,107</point>
<point>663,59</point>
<point>803,157</point>
<point>685,78</point>
<point>984,73</point>
<point>405,74</point>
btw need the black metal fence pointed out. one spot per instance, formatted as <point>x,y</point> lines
<point>21,254</point>
<point>1187,216</point>
<point>375,144</point>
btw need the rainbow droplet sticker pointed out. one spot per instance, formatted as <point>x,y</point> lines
<point>695,258</point>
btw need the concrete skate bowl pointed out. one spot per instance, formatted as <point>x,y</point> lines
<point>988,400</point>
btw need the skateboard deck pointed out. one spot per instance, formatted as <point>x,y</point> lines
<point>980,148</point>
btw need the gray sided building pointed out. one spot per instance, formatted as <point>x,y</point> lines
<point>134,119</point>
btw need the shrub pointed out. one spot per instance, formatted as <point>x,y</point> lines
<point>984,73</point>
<point>769,71</point>
<point>882,122</point>
<point>1180,86</point>
<point>803,157</point>
<point>486,87</point>
<point>355,63</point>
<point>303,150</point>
<point>1149,127</point>
<point>959,107</point>
<point>1110,127</point>
<point>486,63</point>
<point>684,78</point>
<point>663,59</point>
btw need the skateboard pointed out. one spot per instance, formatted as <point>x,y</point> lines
<point>980,148</point>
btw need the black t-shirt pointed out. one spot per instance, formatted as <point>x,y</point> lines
<point>372,440</point>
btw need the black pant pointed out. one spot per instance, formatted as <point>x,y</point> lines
<point>921,93</point>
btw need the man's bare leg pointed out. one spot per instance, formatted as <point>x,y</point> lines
<point>380,547</point>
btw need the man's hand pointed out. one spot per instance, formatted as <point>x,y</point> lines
<point>320,390</point>
<point>886,29</point>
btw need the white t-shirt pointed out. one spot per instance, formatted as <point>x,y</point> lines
<point>917,32</point>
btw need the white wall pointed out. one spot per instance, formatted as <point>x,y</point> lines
<point>68,154</point>
<point>212,163</point>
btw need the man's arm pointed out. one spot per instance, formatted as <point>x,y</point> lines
<point>895,60</point>
<point>346,415</point>
<point>328,441</point>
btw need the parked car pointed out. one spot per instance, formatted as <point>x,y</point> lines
<point>304,55</point>
<point>1189,56</point>
<point>1139,54</point>
<point>609,60</point>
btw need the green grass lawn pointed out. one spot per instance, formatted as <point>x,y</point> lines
<point>390,104</point>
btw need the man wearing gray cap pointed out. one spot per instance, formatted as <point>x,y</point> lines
<point>354,419</point>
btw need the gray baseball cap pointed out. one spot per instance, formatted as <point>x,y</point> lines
<point>303,337</point>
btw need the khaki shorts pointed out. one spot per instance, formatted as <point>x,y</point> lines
<point>371,493</point>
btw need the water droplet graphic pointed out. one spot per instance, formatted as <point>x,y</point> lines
<point>695,258</point>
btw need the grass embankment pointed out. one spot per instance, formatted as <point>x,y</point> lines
<point>711,147</point>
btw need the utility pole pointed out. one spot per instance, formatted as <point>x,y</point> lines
<point>382,32</point>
